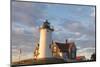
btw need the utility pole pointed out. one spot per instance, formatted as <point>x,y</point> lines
<point>20,55</point>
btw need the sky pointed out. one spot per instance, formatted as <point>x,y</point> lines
<point>73,22</point>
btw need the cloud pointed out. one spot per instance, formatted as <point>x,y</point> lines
<point>78,26</point>
<point>92,12</point>
<point>78,33</point>
<point>74,26</point>
<point>19,30</point>
<point>87,52</point>
<point>86,49</point>
<point>25,23</point>
<point>27,13</point>
<point>27,17</point>
<point>23,56</point>
<point>85,43</point>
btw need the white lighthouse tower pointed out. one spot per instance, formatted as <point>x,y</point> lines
<point>45,41</point>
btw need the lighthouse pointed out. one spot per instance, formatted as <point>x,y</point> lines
<point>45,40</point>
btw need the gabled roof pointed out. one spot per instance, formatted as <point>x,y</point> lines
<point>64,46</point>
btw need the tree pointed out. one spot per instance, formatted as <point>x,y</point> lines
<point>93,56</point>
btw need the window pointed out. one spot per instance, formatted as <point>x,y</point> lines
<point>60,54</point>
<point>54,49</point>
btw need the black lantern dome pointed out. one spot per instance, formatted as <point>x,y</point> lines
<point>46,25</point>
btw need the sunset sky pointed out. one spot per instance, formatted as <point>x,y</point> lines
<point>73,22</point>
